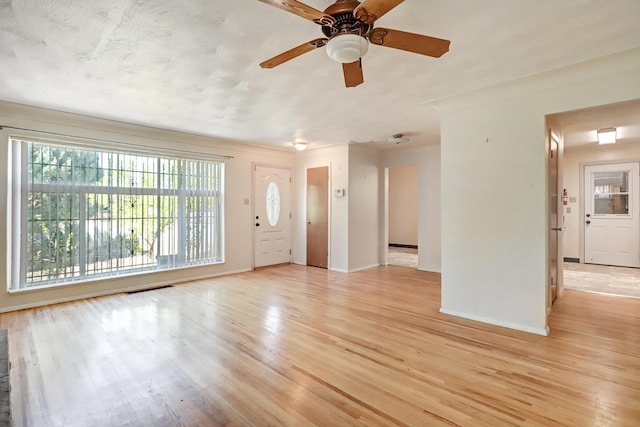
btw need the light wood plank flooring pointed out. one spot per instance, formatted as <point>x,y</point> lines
<point>298,346</point>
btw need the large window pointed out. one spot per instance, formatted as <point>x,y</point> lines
<point>90,213</point>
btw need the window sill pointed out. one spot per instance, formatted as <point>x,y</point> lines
<point>103,279</point>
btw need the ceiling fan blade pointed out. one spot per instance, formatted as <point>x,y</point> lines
<point>293,53</point>
<point>372,10</point>
<point>301,9</point>
<point>416,43</point>
<point>353,74</point>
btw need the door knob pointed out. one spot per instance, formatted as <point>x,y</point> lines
<point>257,224</point>
<point>557,228</point>
<point>308,222</point>
<point>588,222</point>
<point>588,215</point>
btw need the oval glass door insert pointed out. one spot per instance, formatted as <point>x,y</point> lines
<point>273,203</point>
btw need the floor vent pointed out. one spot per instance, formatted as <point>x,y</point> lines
<point>149,289</point>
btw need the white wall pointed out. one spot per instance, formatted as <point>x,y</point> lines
<point>494,187</point>
<point>403,205</point>
<point>574,161</point>
<point>238,216</point>
<point>356,219</point>
<point>364,207</point>
<point>427,159</point>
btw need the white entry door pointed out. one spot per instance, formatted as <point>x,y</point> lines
<point>272,216</point>
<point>612,214</point>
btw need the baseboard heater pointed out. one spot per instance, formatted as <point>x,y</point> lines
<point>400,245</point>
<point>149,289</point>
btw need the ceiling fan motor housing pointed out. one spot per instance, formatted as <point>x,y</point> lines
<point>345,21</point>
<point>398,138</point>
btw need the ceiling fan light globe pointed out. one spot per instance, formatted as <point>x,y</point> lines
<point>347,48</point>
<point>300,146</point>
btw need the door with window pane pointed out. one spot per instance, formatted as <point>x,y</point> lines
<point>272,216</point>
<point>611,214</point>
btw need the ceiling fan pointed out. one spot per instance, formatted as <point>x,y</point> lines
<point>348,26</point>
<point>396,138</point>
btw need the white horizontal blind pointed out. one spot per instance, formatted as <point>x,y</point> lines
<point>89,213</point>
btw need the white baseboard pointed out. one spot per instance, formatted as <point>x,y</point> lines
<point>429,271</point>
<point>518,327</point>
<point>341,270</point>
<point>364,268</point>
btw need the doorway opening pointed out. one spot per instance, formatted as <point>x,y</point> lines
<point>402,198</point>
<point>590,251</point>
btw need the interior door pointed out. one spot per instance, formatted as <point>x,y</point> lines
<point>318,216</point>
<point>555,217</point>
<point>612,221</point>
<point>272,189</point>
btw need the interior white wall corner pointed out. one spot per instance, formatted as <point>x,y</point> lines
<point>430,223</point>
<point>427,159</point>
<point>364,207</point>
<point>337,159</point>
<point>494,187</point>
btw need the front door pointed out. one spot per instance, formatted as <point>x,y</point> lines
<point>612,221</point>
<point>318,216</point>
<point>272,189</point>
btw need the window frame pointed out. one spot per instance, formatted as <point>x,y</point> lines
<point>18,209</point>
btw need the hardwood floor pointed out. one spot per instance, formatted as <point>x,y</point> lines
<point>298,346</point>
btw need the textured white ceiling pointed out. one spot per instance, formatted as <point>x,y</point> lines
<point>193,65</point>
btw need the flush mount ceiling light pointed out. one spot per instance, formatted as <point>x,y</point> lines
<point>347,48</point>
<point>607,136</point>
<point>300,145</point>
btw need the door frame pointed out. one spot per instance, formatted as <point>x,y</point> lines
<point>252,202</point>
<point>303,204</point>
<point>384,255</point>
<point>583,205</point>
